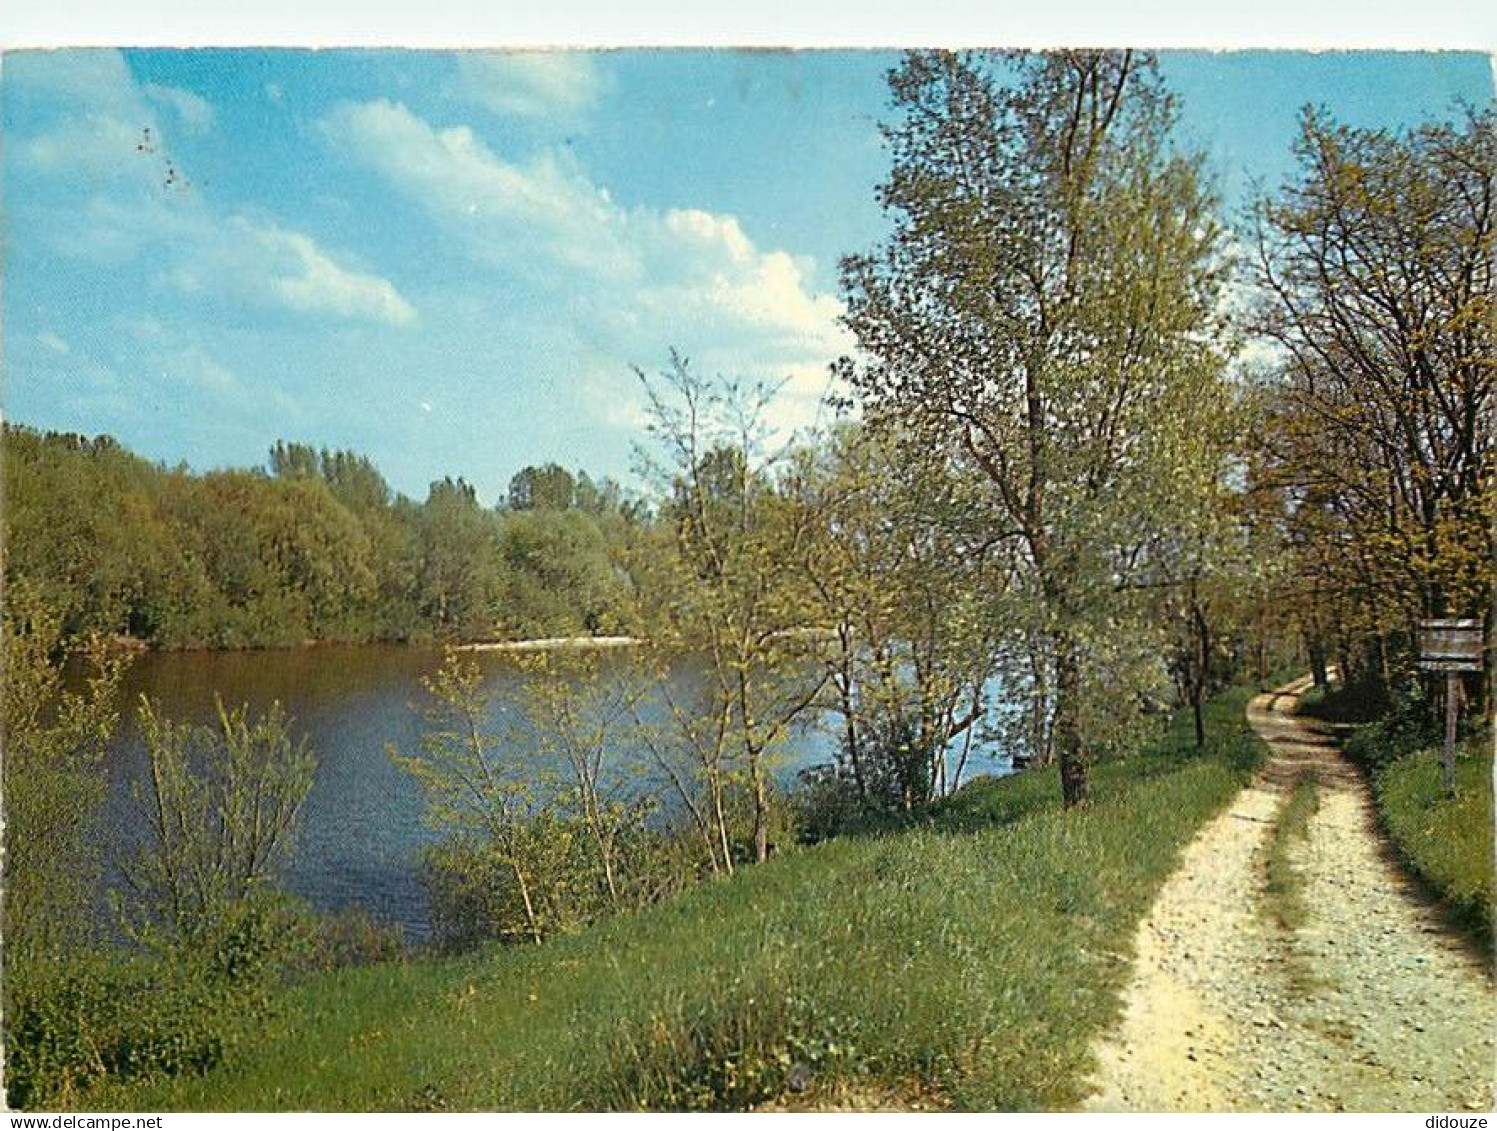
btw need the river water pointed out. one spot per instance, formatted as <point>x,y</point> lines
<point>361,831</point>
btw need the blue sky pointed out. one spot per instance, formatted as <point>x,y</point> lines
<point>451,262</point>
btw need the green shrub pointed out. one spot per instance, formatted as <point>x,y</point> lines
<point>171,1006</point>
<point>472,895</point>
<point>1407,725</point>
<point>349,938</point>
<point>219,807</point>
<point>75,1020</point>
<point>826,802</point>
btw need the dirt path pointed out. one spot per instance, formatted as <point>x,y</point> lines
<point>1370,1006</point>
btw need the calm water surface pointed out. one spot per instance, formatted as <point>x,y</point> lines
<point>361,830</point>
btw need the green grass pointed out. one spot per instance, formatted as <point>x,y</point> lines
<point>1285,884</point>
<point>972,956</point>
<point>1446,842</point>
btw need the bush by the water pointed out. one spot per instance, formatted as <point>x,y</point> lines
<point>969,956</point>
<point>73,1019</point>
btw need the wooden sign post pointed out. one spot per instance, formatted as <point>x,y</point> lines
<point>1452,647</point>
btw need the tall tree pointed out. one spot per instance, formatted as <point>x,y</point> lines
<point>560,576</point>
<point>550,487</point>
<point>724,592</point>
<point>901,576</point>
<point>1047,302</point>
<point>459,576</point>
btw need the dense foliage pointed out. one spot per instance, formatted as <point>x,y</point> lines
<point>199,937</point>
<point>55,740</point>
<point>315,548</point>
<point>1047,314</point>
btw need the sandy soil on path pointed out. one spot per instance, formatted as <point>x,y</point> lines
<point>1370,1006</point>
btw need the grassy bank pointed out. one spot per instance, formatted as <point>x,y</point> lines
<point>968,959</point>
<point>1446,842</point>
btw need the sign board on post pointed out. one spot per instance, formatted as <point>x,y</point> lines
<point>1450,646</point>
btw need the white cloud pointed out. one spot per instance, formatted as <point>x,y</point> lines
<point>195,113</point>
<point>100,145</point>
<point>323,285</point>
<point>187,372</point>
<point>529,84</point>
<point>98,78</point>
<point>510,213</point>
<point>114,193</point>
<point>192,366</point>
<point>52,342</point>
<point>628,283</point>
<point>713,256</point>
<point>95,123</point>
<point>290,268</point>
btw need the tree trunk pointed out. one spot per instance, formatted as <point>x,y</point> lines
<point>1317,664</point>
<point>761,813</point>
<point>854,747</point>
<point>847,692</point>
<point>593,811</point>
<point>530,919</point>
<point>961,762</point>
<point>1067,730</point>
<point>605,853</point>
<point>722,825</point>
<point>1385,672</point>
<point>1202,663</point>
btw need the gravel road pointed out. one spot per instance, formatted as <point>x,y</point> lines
<point>1372,1005</point>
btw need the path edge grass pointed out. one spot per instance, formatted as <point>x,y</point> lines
<point>1444,844</point>
<point>1283,904</point>
<point>1284,880</point>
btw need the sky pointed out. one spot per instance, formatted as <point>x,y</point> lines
<point>454,262</point>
